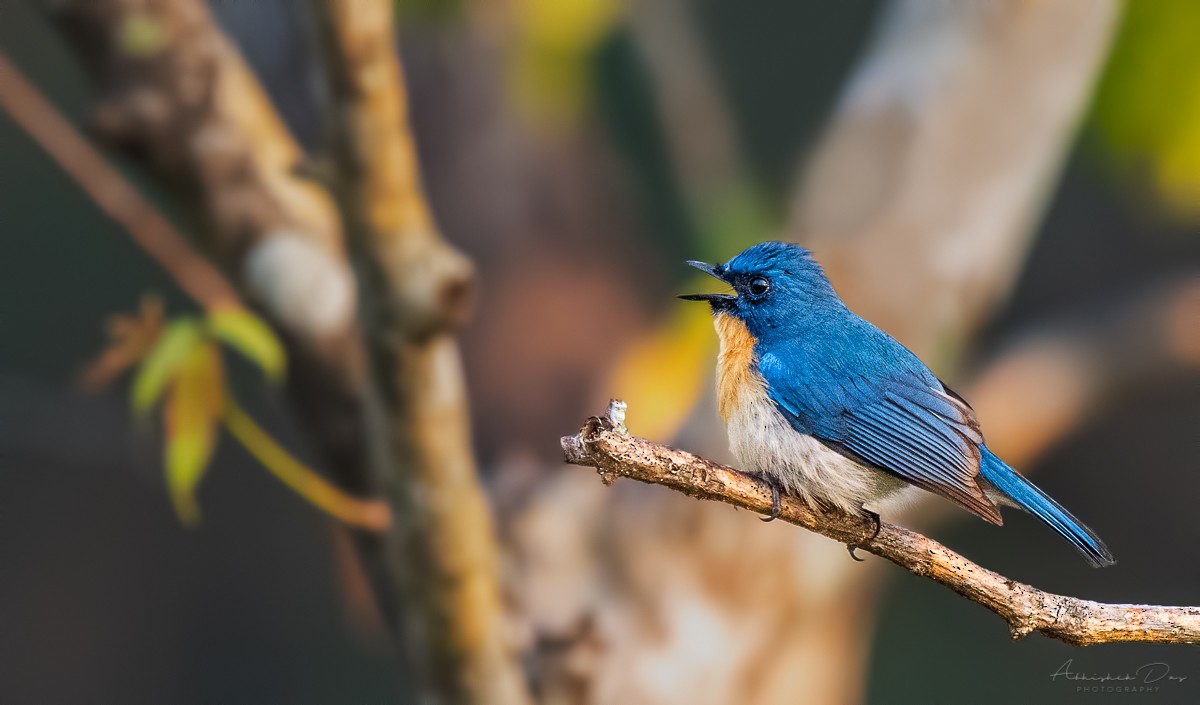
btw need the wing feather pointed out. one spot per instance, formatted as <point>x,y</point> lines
<point>905,424</point>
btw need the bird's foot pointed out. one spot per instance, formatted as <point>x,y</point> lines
<point>874,517</point>
<point>775,494</point>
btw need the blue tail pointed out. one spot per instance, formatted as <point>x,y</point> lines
<point>1027,496</point>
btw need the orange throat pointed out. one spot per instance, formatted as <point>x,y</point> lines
<point>735,371</point>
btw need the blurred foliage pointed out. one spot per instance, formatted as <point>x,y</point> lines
<point>181,360</point>
<point>550,64</point>
<point>247,334</point>
<point>663,373</point>
<point>163,360</point>
<point>131,338</point>
<point>196,400</point>
<point>141,36</point>
<point>429,10</point>
<point>1147,110</point>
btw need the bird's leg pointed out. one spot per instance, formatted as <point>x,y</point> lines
<point>775,494</point>
<point>775,509</point>
<point>874,517</point>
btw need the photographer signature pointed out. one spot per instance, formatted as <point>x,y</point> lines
<point>1147,673</point>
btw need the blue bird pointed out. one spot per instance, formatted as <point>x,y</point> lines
<point>828,408</point>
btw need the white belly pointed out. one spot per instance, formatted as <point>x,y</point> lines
<point>764,442</point>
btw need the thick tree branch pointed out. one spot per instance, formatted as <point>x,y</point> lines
<point>605,444</point>
<point>416,287</point>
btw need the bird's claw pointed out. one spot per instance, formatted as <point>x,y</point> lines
<point>874,517</point>
<point>876,520</point>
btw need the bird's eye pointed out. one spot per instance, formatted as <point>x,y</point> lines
<point>758,286</point>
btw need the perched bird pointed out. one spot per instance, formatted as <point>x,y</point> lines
<point>828,408</point>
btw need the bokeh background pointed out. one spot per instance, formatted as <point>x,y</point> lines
<point>578,151</point>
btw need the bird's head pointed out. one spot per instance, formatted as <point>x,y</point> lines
<point>775,284</point>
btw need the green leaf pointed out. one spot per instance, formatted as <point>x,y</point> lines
<point>191,414</point>
<point>178,340</point>
<point>249,335</point>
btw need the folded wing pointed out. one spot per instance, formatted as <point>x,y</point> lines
<point>904,424</point>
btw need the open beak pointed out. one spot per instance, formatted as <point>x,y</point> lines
<point>717,300</point>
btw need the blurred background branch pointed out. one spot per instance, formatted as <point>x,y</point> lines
<point>923,190</point>
<point>416,288</point>
<point>152,232</point>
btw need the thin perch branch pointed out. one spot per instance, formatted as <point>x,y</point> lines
<point>605,444</point>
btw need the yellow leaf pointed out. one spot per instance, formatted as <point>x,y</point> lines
<point>249,335</point>
<point>178,340</point>
<point>663,374</point>
<point>191,412</point>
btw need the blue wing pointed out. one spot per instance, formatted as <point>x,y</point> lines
<point>876,403</point>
